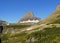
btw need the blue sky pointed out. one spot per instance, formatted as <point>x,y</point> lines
<point>13,10</point>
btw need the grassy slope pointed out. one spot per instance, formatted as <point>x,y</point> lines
<point>53,18</point>
<point>17,26</point>
<point>48,35</point>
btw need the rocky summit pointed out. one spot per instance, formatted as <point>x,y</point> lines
<point>29,18</point>
<point>29,15</point>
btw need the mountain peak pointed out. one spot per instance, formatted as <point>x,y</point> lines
<point>29,15</point>
<point>29,18</point>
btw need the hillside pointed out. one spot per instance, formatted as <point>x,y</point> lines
<point>49,34</point>
<point>53,18</point>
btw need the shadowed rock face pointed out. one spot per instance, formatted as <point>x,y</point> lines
<point>1,29</point>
